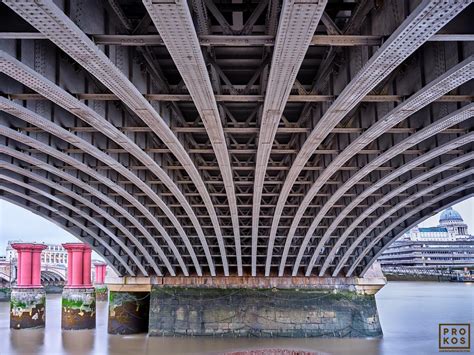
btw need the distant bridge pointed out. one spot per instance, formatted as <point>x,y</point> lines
<point>50,275</point>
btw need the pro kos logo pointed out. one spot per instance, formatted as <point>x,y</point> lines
<point>455,337</point>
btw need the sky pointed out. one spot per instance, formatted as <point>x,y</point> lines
<point>17,223</point>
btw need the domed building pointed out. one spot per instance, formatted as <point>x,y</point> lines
<point>446,246</point>
<point>451,228</point>
<point>453,222</point>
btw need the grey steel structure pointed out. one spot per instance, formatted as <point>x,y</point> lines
<point>238,137</point>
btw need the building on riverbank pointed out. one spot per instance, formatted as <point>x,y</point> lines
<point>446,246</point>
<point>54,254</point>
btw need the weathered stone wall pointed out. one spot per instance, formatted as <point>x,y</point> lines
<point>262,312</point>
<point>128,312</point>
<point>78,308</point>
<point>27,308</point>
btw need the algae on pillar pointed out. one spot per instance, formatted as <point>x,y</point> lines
<point>78,299</point>
<point>78,308</point>
<point>28,298</point>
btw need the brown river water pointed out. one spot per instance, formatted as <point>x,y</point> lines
<point>409,312</point>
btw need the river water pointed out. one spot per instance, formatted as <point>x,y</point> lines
<point>409,312</point>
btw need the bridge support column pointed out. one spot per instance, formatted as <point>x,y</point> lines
<point>28,298</point>
<point>265,307</point>
<point>128,309</point>
<point>78,298</point>
<point>99,282</point>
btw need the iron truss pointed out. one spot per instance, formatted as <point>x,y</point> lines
<point>236,137</point>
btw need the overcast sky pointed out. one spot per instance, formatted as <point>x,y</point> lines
<point>17,223</point>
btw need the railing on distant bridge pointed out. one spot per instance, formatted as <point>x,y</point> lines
<point>455,275</point>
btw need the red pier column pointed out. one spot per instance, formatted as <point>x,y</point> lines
<point>78,301</point>
<point>28,301</point>
<point>101,290</point>
<point>100,269</point>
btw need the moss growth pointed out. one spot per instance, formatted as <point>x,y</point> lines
<point>76,304</point>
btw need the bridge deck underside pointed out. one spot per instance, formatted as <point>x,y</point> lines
<point>236,141</point>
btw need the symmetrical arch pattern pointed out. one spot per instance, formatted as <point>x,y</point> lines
<point>224,138</point>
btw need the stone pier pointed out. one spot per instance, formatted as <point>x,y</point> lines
<point>248,306</point>
<point>28,298</point>
<point>128,310</point>
<point>99,282</point>
<point>78,298</point>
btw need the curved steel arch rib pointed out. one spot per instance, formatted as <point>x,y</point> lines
<point>380,202</point>
<point>454,77</point>
<point>39,121</point>
<point>469,188</point>
<point>298,22</point>
<point>183,45</point>
<point>22,203</point>
<point>443,149</point>
<point>456,117</point>
<point>28,77</point>
<point>52,22</point>
<point>420,25</point>
<point>47,167</point>
<point>90,205</point>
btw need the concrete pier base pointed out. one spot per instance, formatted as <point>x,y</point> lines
<point>78,308</point>
<point>27,308</point>
<point>262,312</point>
<point>128,312</point>
<point>101,293</point>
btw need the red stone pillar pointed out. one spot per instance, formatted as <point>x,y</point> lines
<point>101,291</point>
<point>78,299</point>
<point>100,273</point>
<point>86,268</point>
<point>28,299</point>
<point>29,264</point>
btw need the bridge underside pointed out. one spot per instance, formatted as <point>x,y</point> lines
<point>236,138</point>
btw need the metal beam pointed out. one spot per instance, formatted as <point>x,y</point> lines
<point>175,25</point>
<point>71,220</point>
<point>51,21</point>
<point>420,25</point>
<point>47,89</point>
<point>53,152</point>
<point>240,41</point>
<point>298,22</point>
<point>450,80</point>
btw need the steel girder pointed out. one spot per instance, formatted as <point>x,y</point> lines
<point>225,146</point>
<point>456,76</point>
<point>183,44</point>
<point>415,30</point>
<point>52,22</point>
